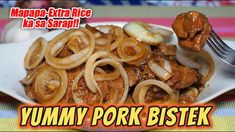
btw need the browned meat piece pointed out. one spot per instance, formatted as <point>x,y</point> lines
<point>167,50</point>
<point>116,89</point>
<point>101,39</point>
<point>188,96</point>
<point>108,88</point>
<point>132,73</point>
<point>163,51</point>
<point>129,100</point>
<point>145,73</point>
<point>86,95</point>
<point>93,29</point>
<point>68,97</point>
<point>182,77</point>
<point>156,95</point>
<point>192,29</point>
<point>65,52</point>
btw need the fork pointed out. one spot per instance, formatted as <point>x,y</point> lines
<point>221,49</point>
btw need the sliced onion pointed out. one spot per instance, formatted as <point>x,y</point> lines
<point>147,53</point>
<point>157,29</point>
<point>77,43</point>
<point>207,66</point>
<point>167,66</point>
<point>115,31</point>
<point>78,58</point>
<point>107,76</point>
<point>88,73</point>
<point>105,28</point>
<point>132,43</point>
<point>102,41</point>
<point>141,31</point>
<point>76,96</point>
<point>35,53</point>
<point>198,60</point>
<point>133,60</point>
<point>32,74</point>
<point>142,88</point>
<point>162,31</point>
<point>122,72</point>
<point>182,59</point>
<point>50,85</point>
<point>159,71</point>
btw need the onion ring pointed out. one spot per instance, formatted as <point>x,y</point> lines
<point>123,74</point>
<point>106,76</point>
<point>142,88</point>
<point>115,31</point>
<point>50,85</point>
<point>35,53</point>
<point>74,87</point>
<point>88,73</point>
<point>147,53</point>
<point>124,50</point>
<point>78,58</point>
<point>32,74</point>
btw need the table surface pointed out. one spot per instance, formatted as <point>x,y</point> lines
<point>221,18</point>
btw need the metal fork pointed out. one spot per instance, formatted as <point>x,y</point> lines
<point>221,49</point>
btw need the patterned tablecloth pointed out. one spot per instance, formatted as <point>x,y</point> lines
<point>221,18</point>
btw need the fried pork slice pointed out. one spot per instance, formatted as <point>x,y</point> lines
<point>188,96</point>
<point>192,29</point>
<point>101,39</point>
<point>155,94</point>
<point>182,77</point>
<point>145,73</point>
<point>112,90</point>
<point>167,50</point>
<point>129,100</point>
<point>133,75</point>
<point>163,51</point>
<point>159,54</point>
<point>87,96</point>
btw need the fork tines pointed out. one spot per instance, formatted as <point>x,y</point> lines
<point>221,49</point>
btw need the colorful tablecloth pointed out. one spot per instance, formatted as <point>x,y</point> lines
<point>221,18</point>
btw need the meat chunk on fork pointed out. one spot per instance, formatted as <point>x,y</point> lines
<point>192,29</point>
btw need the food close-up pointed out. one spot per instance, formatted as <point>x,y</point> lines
<point>117,65</point>
<point>130,64</point>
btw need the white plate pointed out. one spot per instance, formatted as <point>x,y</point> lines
<point>12,69</point>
